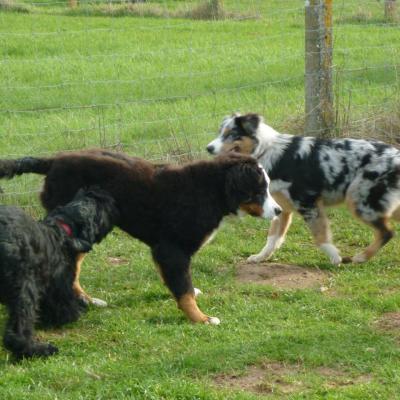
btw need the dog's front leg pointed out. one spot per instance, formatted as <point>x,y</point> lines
<point>19,332</point>
<point>174,266</point>
<point>276,237</point>
<point>318,223</point>
<point>78,288</point>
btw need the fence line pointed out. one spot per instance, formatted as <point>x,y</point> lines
<point>159,88</point>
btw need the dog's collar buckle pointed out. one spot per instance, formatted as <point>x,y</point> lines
<point>66,227</point>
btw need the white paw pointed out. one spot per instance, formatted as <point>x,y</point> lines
<point>332,252</point>
<point>213,321</point>
<point>197,292</point>
<point>255,258</point>
<point>98,302</point>
<point>335,260</point>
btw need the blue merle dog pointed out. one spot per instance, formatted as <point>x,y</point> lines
<point>307,174</point>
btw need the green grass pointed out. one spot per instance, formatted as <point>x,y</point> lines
<point>158,88</point>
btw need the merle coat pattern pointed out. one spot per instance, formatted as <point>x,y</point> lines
<point>307,174</point>
<point>170,208</point>
<point>37,265</point>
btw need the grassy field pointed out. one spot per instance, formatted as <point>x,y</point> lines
<point>158,87</point>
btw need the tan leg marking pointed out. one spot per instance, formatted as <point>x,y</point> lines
<point>77,288</point>
<point>187,303</point>
<point>280,198</point>
<point>274,227</point>
<point>76,285</point>
<point>276,236</point>
<point>320,228</point>
<point>277,230</point>
<point>383,234</point>
<point>284,223</point>
<point>321,231</point>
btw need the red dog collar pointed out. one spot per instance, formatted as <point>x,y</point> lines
<point>66,227</point>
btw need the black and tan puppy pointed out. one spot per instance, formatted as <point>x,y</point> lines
<point>172,209</point>
<point>38,265</point>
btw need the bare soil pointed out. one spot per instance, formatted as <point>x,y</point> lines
<point>390,322</point>
<point>283,276</point>
<point>117,261</point>
<point>275,377</point>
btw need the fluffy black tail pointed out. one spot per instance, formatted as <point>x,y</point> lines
<point>11,168</point>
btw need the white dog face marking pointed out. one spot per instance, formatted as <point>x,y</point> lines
<point>271,208</point>
<point>261,203</point>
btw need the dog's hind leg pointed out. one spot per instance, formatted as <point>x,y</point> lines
<point>276,237</point>
<point>19,332</point>
<point>78,288</point>
<point>372,201</point>
<point>174,266</point>
<point>318,223</point>
<point>383,234</point>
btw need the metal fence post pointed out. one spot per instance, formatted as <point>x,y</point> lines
<point>319,111</point>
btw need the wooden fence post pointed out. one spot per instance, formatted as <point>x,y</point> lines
<point>217,8</point>
<point>390,10</point>
<point>318,68</point>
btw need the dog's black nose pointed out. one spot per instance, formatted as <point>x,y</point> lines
<point>278,211</point>
<point>210,148</point>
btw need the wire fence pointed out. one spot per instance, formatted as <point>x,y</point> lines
<point>155,79</point>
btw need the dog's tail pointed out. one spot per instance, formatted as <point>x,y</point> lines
<point>11,168</point>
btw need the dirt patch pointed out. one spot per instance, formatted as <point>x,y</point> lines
<point>390,322</point>
<point>117,260</point>
<point>336,378</point>
<point>270,377</point>
<point>275,377</point>
<point>283,276</point>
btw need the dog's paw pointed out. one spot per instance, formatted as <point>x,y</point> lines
<point>255,258</point>
<point>359,258</point>
<point>212,321</point>
<point>86,300</point>
<point>39,350</point>
<point>332,252</point>
<point>336,260</point>
<point>98,302</point>
<point>49,350</point>
<point>197,292</point>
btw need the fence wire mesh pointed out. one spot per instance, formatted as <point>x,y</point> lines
<point>155,78</point>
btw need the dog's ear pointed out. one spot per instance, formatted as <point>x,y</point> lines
<point>249,123</point>
<point>242,180</point>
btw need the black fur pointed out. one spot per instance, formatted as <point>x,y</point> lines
<point>172,209</point>
<point>308,174</point>
<point>37,265</point>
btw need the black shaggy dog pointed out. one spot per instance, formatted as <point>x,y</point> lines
<point>38,265</point>
<point>170,208</point>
